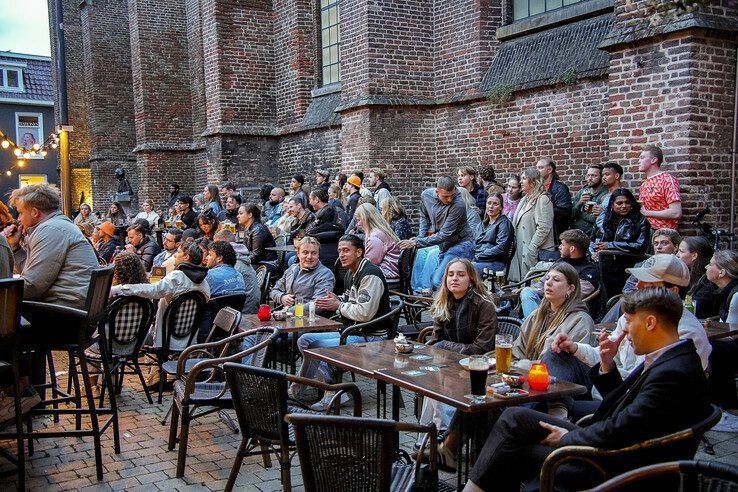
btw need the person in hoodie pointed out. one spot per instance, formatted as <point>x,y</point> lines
<point>187,276</point>
<point>243,266</point>
<point>222,277</point>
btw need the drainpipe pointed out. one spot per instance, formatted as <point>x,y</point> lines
<point>63,127</point>
<point>733,151</point>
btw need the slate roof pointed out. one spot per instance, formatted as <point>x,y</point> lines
<point>38,80</point>
<point>541,58</point>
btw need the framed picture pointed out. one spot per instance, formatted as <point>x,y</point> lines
<point>29,130</point>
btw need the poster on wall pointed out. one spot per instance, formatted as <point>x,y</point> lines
<point>27,179</point>
<point>29,129</point>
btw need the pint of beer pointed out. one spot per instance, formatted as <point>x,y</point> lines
<point>500,278</point>
<point>503,352</point>
<point>478,367</point>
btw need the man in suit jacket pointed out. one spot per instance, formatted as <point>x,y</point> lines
<point>666,393</point>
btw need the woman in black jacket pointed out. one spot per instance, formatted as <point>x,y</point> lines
<point>257,237</point>
<point>494,244</point>
<point>626,233</point>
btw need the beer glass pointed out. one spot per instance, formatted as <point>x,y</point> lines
<point>500,278</point>
<point>503,352</point>
<point>478,367</point>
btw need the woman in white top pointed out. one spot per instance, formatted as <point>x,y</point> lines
<point>148,213</point>
<point>85,216</point>
<point>381,242</point>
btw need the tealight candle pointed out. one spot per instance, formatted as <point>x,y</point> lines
<point>538,378</point>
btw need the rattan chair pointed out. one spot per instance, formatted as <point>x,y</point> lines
<point>689,475</point>
<point>261,403</point>
<point>606,462</point>
<point>405,267</point>
<point>203,385</point>
<point>11,298</point>
<point>180,323</point>
<point>359,454</point>
<point>128,321</point>
<point>510,326</point>
<point>385,324</point>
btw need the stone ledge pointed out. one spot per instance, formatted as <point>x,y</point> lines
<point>245,130</point>
<point>169,147</point>
<point>326,89</point>
<point>618,37</point>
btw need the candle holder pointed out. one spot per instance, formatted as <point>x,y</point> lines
<point>538,378</point>
<point>264,313</point>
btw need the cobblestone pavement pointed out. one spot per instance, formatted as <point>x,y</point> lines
<point>145,463</point>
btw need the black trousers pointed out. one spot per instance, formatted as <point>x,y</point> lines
<point>723,360</point>
<point>513,453</point>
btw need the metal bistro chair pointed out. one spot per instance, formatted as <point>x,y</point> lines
<point>61,328</point>
<point>263,277</point>
<point>690,475</point>
<point>405,267</point>
<point>358,454</point>
<point>203,386</point>
<point>261,403</point>
<point>508,325</point>
<point>212,308</point>
<point>606,462</point>
<point>180,323</point>
<point>11,298</point>
<point>128,321</point>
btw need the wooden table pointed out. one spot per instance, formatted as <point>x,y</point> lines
<point>717,330</point>
<point>450,384</point>
<point>292,324</point>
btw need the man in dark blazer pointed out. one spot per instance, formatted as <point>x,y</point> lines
<point>667,393</point>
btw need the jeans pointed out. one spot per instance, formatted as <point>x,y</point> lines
<point>461,250</point>
<point>311,367</point>
<point>426,261</point>
<point>251,340</point>
<point>530,299</point>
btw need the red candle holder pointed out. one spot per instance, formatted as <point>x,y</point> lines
<point>264,313</point>
<point>538,378</point>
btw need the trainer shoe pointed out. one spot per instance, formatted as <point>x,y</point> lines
<point>322,405</point>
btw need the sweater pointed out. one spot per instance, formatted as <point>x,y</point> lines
<point>448,223</point>
<point>383,252</point>
<point>310,284</point>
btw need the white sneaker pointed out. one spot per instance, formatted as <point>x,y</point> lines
<point>322,405</point>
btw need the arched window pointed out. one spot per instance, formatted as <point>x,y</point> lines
<point>330,41</point>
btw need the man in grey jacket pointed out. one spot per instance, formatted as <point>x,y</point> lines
<point>308,279</point>
<point>59,259</point>
<point>443,212</point>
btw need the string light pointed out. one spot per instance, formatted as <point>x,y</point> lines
<point>21,163</point>
<point>8,172</point>
<point>17,152</point>
<point>6,143</point>
<point>51,142</point>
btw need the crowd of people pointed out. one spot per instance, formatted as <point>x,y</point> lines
<point>568,253</point>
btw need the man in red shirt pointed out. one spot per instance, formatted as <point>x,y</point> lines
<point>659,193</point>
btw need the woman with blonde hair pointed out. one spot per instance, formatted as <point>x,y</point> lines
<point>147,212</point>
<point>560,311</point>
<point>381,242</point>
<point>85,216</point>
<point>394,213</point>
<point>533,223</point>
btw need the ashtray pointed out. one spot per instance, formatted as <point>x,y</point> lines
<point>404,348</point>
<point>279,315</point>
<point>513,380</point>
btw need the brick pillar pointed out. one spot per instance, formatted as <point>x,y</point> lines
<point>673,85</point>
<point>106,52</point>
<point>163,103</point>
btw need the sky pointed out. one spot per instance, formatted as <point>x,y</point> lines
<point>24,27</point>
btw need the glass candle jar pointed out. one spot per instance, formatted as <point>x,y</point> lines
<point>538,378</point>
<point>264,312</point>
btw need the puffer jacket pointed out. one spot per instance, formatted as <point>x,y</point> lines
<point>631,235</point>
<point>495,242</point>
<point>147,250</point>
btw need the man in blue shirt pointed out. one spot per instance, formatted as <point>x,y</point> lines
<point>223,278</point>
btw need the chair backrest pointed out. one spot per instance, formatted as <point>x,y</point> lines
<point>260,400</point>
<point>225,324</point>
<point>262,277</point>
<point>692,475</point>
<point>386,323</point>
<point>508,325</point>
<point>345,453</point>
<point>405,265</point>
<point>128,319</point>
<point>182,317</point>
<point>98,293</point>
<point>11,299</point>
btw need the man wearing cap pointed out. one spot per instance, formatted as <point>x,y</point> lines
<point>296,189</point>
<point>660,270</point>
<point>321,179</point>
<point>353,184</point>
<point>108,241</point>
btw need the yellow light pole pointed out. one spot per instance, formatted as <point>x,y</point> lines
<point>66,168</point>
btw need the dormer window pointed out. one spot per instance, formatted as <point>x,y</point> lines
<point>11,79</point>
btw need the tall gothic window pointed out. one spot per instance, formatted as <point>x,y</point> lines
<point>330,40</point>
<point>527,8</point>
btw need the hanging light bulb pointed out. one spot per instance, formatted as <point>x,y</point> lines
<point>21,163</point>
<point>27,155</point>
<point>17,151</point>
<point>8,172</point>
<point>5,143</point>
<point>43,153</point>
<point>36,146</point>
<point>53,145</point>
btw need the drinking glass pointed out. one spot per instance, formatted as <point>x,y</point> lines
<point>478,368</point>
<point>299,307</point>
<point>500,278</point>
<point>503,352</point>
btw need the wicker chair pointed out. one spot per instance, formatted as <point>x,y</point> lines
<point>128,321</point>
<point>358,454</point>
<point>691,475</point>
<point>603,461</point>
<point>386,323</point>
<point>261,403</point>
<point>405,267</point>
<point>263,276</point>
<point>203,385</point>
<point>508,325</point>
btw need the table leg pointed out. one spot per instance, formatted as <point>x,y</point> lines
<point>293,353</point>
<point>460,449</point>
<point>395,403</point>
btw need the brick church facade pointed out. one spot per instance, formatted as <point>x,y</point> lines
<point>250,91</point>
